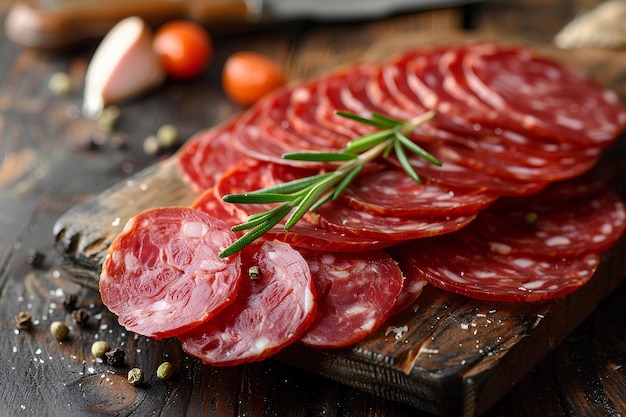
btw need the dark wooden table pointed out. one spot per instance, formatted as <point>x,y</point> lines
<point>50,162</point>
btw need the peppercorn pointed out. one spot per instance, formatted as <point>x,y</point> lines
<point>135,376</point>
<point>100,348</point>
<point>151,145</point>
<point>35,258</point>
<point>165,370</point>
<point>80,316</point>
<point>168,136</point>
<point>115,357</point>
<point>69,302</point>
<point>60,84</point>
<point>59,330</point>
<point>24,320</point>
<point>531,218</point>
<point>109,118</point>
<point>254,273</point>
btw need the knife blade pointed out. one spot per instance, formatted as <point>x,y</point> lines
<point>61,24</point>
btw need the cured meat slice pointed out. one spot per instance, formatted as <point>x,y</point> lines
<point>355,294</point>
<point>551,229</point>
<point>208,154</point>
<point>344,220</point>
<point>275,305</point>
<point>449,263</point>
<point>163,275</point>
<point>209,203</point>
<point>412,286</point>
<point>536,93</point>
<point>455,174</point>
<point>392,192</point>
<point>512,170</point>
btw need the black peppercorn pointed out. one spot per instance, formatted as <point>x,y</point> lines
<point>80,316</point>
<point>35,258</point>
<point>115,357</point>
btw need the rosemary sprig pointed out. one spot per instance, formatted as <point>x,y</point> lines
<point>307,194</point>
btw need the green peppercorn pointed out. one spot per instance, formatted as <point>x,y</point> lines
<point>165,370</point>
<point>135,376</point>
<point>60,84</point>
<point>168,136</point>
<point>109,118</point>
<point>59,330</point>
<point>99,348</point>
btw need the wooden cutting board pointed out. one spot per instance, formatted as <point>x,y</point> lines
<point>449,355</point>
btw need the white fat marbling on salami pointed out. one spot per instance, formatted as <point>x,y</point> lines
<point>536,92</point>
<point>550,228</point>
<point>163,275</point>
<point>378,193</point>
<point>268,314</point>
<point>452,265</point>
<point>353,300</point>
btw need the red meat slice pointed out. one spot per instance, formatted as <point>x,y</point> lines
<point>393,192</point>
<point>544,96</point>
<point>342,219</point>
<point>550,229</point>
<point>163,274</point>
<point>208,154</point>
<point>269,313</point>
<point>355,293</point>
<point>449,263</point>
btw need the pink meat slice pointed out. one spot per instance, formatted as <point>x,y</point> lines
<point>355,293</point>
<point>269,313</point>
<point>163,274</point>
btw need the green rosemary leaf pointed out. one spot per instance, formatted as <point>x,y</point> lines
<point>347,180</point>
<point>415,148</point>
<point>388,149</point>
<point>258,218</point>
<point>295,185</point>
<point>365,142</point>
<point>319,156</point>
<point>255,233</point>
<point>404,162</point>
<point>376,123</point>
<point>382,117</point>
<point>315,193</point>
<point>259,198</point>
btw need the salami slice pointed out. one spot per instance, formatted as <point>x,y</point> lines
<point>355,294</point>
<point>163,274</point>
<point>275,305</point>
<point>536,93</point>
<point>342,219</point>
<point>553,229</point>
<point>450,264</point>
<point>208,154</point>
<point>379,193</point>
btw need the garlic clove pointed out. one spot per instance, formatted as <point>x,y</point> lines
<point>123,67</point>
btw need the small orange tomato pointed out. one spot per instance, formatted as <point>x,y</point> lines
<point>248,76</point>
<point>185,48</point>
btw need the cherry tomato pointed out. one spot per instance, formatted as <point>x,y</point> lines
<point>248,76</point>
<point>185,48</point>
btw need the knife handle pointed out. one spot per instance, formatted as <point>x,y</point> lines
<point>61,24</point>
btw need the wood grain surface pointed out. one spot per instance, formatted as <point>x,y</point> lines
<point>47,170</point>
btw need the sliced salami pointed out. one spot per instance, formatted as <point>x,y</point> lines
<point>450,264</point>
<point>163,275</point>
<point>355,294</point>
<point>379,193</point>
<point>536,93</point>
<point>553,229</point>
<point>342,219</point>
<point>209,153</point>
<point>275,305</point>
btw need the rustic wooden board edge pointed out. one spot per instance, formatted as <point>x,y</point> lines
<point>472,388</point>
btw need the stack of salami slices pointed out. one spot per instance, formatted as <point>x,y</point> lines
<point>518,211</point>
